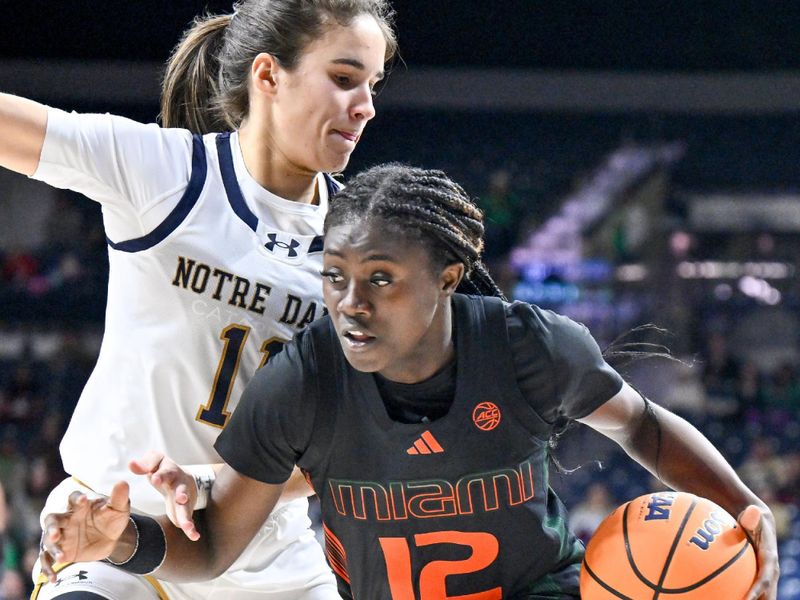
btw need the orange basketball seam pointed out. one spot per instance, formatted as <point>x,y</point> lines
<point>657,588</point>
<point>629,552</point>
<point>603,584</point>
<point>711,575</point>
<point>674,547</point>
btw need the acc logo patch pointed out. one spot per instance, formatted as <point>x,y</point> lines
<point>486,416</point>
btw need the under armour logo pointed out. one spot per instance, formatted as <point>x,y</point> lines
<point>274,241</point>
<point>80,576</point>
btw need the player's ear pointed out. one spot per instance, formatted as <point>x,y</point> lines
<point>450,277</point>
<point>263,73</point>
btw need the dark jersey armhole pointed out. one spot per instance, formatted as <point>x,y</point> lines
<point>197,180</point>
<point>497,317</point>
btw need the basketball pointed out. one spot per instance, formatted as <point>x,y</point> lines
<point>668,545</point>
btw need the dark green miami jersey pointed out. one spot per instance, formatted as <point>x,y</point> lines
<point>457,507</point>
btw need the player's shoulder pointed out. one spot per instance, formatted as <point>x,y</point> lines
<point>318,327</point>
<point>315,339</point>
<point>548,327</point>
<point>118,124</point>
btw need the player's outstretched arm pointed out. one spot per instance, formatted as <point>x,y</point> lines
<point>101,529</point>
<point>679,455</point>
<point>22,128</point>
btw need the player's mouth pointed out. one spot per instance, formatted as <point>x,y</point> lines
<point>350,136</point>
<point>357,339</point>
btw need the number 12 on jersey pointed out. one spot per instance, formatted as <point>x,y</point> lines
<point>215,411</point>
<point>432,577</point>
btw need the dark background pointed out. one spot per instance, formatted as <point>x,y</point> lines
<point>552,34</point>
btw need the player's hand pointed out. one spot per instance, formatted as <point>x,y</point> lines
<point>87,531</point>
<point>176,485</point>
<point>759,524</point>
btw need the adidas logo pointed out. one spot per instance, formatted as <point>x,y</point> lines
<point>425,444</point>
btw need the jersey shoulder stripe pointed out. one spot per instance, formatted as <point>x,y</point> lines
<point>333,185</point>
<point>232,189</point>
<point>317,244</point>
<point>197,180</point>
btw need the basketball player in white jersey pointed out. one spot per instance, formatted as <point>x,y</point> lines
<point>215,256</point>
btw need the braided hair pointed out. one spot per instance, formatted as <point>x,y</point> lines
<point>424,206</point>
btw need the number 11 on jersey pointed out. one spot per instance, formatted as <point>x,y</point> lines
<point>215,411</point>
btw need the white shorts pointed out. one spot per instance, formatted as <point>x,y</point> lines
<point>283,562</point>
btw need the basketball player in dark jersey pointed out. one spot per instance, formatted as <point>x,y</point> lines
<point>421,416</point>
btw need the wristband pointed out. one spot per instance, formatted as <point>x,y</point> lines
<point>204,477</point>
<point>150,548</point>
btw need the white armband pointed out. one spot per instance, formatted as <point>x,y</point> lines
<point>204,476</point>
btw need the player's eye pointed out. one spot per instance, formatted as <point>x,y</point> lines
<point>380,280</point>
<point>376,88</point>
<point>332,276</point>
<point>343,80</point>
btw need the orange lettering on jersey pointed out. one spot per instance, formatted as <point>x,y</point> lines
<point>398,567</point>
<point>400,500</point>
<point>433,576</point>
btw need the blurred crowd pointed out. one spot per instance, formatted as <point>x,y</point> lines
<point>37,395</point>
<point>62,279</point>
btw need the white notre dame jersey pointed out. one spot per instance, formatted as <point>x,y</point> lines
<point>221,273</point>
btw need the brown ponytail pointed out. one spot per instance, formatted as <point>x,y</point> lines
<point>190,87</point>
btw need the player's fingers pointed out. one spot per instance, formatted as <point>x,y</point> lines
<point>169,486</point>
<point>183,513</point>
<point>761,532</point>
<point>166,477</point>
<point>182,496</point>
<point>46,565</point>
<point>176,508</point>
<point>119,499</point>
<point>52,546</point>
<point>63,531</point>
<point>763,590</point>
<point>188,527</point>
<point>750,519</point>
<point>766,587</point>
<point>76,500</point>
<point>191,532</point>
<point>147,464</point>
<point>51,536</point>
<point>50,531</point>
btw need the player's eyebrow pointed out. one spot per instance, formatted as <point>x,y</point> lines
<point>368,258</point>
<point>354,62</point>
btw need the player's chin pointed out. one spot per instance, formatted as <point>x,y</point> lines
<point>363,361</point>
<point>336,160</point>
<point>338,165</point>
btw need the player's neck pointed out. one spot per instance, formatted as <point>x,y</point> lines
<point>274,172</point>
